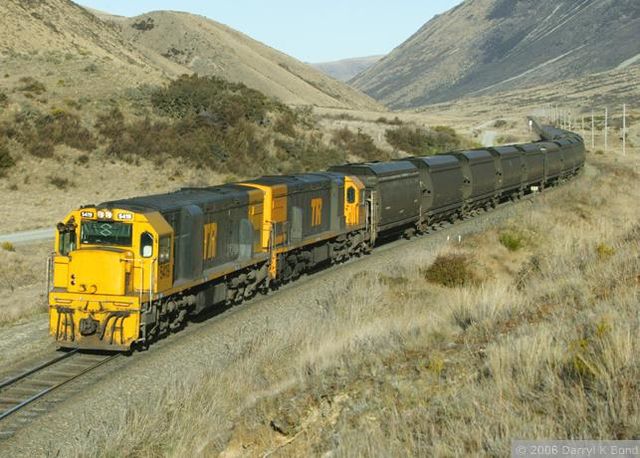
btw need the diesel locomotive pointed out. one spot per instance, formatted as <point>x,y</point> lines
<point>128,272</point>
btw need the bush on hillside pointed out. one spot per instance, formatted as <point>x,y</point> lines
<point>40,132</point>
<point>6,161</point>
<point>31,86</point>
<point>220,102</point>
<point>358,144</point>
<point>418,141</point>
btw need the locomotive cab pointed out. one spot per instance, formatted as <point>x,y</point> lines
<point>107,264</point>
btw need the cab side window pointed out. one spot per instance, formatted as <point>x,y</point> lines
<point>67,243</point>
<point>351,195</point>
<point>146,245</point>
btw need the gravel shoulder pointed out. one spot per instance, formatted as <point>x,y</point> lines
<point>101,399</point>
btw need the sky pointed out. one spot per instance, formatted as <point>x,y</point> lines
<point>311,31</point>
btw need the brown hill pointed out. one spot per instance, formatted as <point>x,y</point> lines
<point>97,54</point>
<point>61,43</point>
<point>487,46</point>
<point>210,48</point>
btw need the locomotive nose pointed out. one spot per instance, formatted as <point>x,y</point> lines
<point>94,271</point>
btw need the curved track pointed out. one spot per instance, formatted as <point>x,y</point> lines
<point>18,392</point>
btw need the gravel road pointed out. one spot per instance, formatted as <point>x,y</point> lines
<point>21,238</point>
<point>203,347</point>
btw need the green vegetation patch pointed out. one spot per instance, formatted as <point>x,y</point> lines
<point>512,240</point>
<point>424,142</point>
<point>31,86</point>
<point>359,144</point>
<point>450,270</point>
<point>228,127</point>
<point>6,161</point>
<point>40,132</point>
<point>219,102</point>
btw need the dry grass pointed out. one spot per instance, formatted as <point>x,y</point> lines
<point>22,281</point>
<point>544,345</point>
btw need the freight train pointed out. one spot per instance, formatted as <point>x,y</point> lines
<point>128,272</point>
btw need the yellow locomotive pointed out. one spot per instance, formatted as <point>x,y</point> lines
<point>125,273</point>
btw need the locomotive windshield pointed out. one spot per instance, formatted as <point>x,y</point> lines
<point>105,233</point>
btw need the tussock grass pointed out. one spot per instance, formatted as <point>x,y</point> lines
<point>22,278</point>
<point>393,365</point>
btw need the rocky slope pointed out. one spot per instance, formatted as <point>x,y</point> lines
<point>486,46</point>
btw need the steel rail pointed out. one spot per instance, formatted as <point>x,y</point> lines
<point>12,380</point>
<point>48,390</point>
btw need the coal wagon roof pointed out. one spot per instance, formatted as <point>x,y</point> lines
<point>438,162</point>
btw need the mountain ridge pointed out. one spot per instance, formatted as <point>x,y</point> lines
<point>486,46</point>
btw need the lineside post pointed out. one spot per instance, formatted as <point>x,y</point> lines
<point>606,130</point>
<point>593,131</point>
<point>624,129</point>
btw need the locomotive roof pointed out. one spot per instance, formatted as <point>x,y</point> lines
<point>380,169</point>
<point>303,181</point>
<point>206,196</point>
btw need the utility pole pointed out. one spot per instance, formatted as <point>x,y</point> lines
<point>593,131</point>
<point>624,129</point>
<point>606,130</point>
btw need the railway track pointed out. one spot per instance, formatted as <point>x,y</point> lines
<point>19,392</point>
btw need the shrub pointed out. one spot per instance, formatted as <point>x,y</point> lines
<point>511,240</point>
<point>393,122</point>
<point>219,102</point>
<point>605,251</point>
<point>91,68</point>
<point>8,246</point>
<point>419,141</point>
<point>144,25</point>
<point>4,98</point>
<point>40,133</point>
<point>32,86</point>
<point>359,144</point>
<point>6,161</point>
<point>82,159</point>
<point>285,123</point>
<point>450,270</point>
<point>60,183</point>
